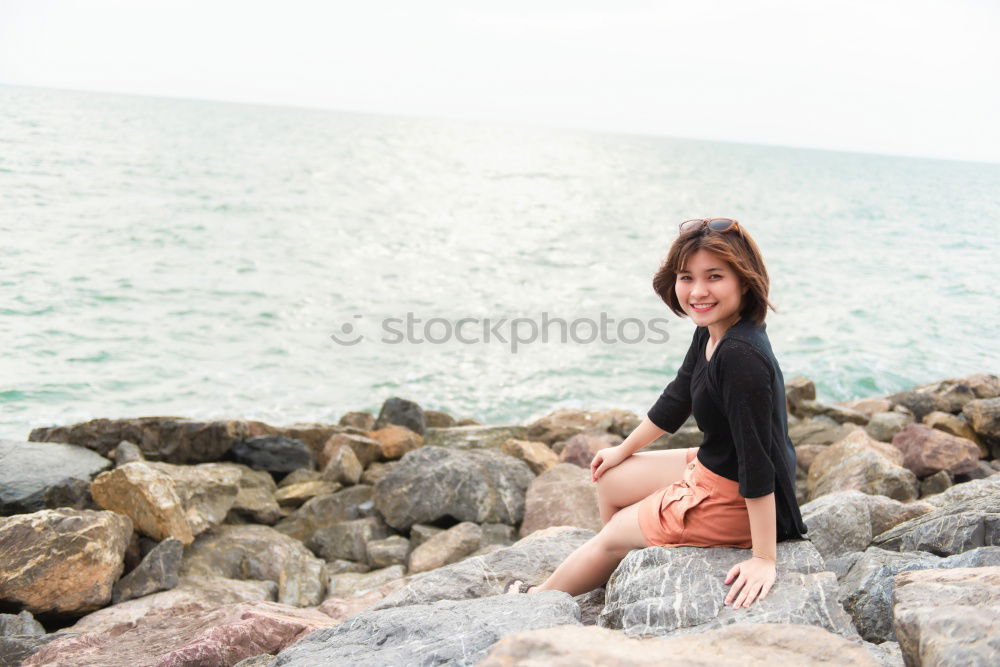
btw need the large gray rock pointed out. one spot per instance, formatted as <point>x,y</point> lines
<point>954,528</point>
<point>473,437</point>
<point>988,487</point>
<point>348,539</point>
<point>158,571</point>
<point>444,632</point>
<point>30,471</point>
<point>862,464</point>
<point>561,496</point>
<point>259,552</point>
<point>533,558</point>
<point>468,485</point>
<point>656,592</point>
<point>884,425</point>
<point>401,412</point>
<point>255,498</point>
<point>273,453</point>
<point>866,590</point>
<point>948,617</point>
<point>354,502</point>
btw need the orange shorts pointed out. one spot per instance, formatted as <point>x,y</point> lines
<point>701,510</point>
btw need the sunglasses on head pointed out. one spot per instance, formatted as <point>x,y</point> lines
<point>715,224</point>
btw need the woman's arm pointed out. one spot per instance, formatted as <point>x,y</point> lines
<point>763,526</point>
<point>644,433</point>
<point>756,575</point>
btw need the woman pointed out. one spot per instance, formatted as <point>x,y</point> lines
<point>738,488</point>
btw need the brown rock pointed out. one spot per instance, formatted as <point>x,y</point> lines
<point>353,502</point>
<point>299,475</point>
<point>738,645</point>
<point>837,413</point>
<point>799,389</point>
<point>983,416</point>
<point>562,496</point>
<point>295,495</point>
<point>953,425</point>
<point>868,406</point>
<point>860,463</point>
<point>377,471</point>
<point>395,441</point>
<point>537,455</point>
<point>349,539</point>
<point>438,419</point>
<point>934,484</point>
<point>362,420</point>
<point>342,608</point>
<point>561,424</point>
<point>818,431</point>
<point>366,449</point>
<point>343,467</point>
<point>806,454</point>
<point>207,491</point>
<point>61,561</point>
<point>255,497</point>
<point>448,546</point>
<point>927,450</point>
<point>580,449</point>
<point>350,584</point>
<point>220,636</point>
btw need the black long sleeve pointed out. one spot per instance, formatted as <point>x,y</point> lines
<point>673,407</point>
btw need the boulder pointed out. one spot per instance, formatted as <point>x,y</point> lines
<point>983,416</point>
<point>16,649</point>
<point>438,419</point>
<point>354,502</point>
<point>346,585</point>
<point>818,431</point>
<point>392,550</point>
<point>968,491</point>
<point>171,439</point>
<point>348,539</point>
<point>837,413</point>
<point>474,437</point>
<point>395,441</point>
<point>927,451</point>
<point>294,495</point>
<point>298,476</point>
<point>20,624</point>
<point>806,454</point>
<point>377,471</point>
<point>365,449</point>
<point>563,496</point>
<point>934,484</point>
<point>127,452</point>
<point>401,412</point>
<point>33,470</point>
<point>469,485</point>
<point>448,546</point>
<point>444,632</point>
<point>581,448</point>
<point>255,496</point>
<point>158,571</point>
<point>866,590</point>
<point>859,463</point>
<point>274,453</point>
<point>743,645</point>
<point>950,529</point>
<point>869,407</point>
<point>221,636</point>
<point>799,389</point>
<point>957,426</point>
<point>189,594</point>
<point>362,420</point>
<point>420,533</point>
<point>656,592</point>
<point>259,552</point>
<point>343,467</point>
<point>918,403</point>
<point>537,455</point>
<point>954,393</point>
<point>563,423</point>
<point>61,561</point>
<point>948,617</point>
<point>884,425</point>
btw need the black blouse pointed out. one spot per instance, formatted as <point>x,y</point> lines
<point>738,401</point>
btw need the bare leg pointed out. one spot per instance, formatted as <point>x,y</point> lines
<point>636,477</point>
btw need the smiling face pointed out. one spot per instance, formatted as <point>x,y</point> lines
<point>710,292</point>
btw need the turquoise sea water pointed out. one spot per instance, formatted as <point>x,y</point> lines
<point>193,258</point>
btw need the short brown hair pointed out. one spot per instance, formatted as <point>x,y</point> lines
<point>738,249</point>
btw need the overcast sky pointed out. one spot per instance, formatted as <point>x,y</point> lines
<point>899,77</point>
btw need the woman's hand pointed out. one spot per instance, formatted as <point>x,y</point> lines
<point>753,577</point>
<point>606,459</point>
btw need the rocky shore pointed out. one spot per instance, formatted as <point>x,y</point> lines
<point>385,540</point>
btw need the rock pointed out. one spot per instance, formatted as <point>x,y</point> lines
<point>473,437</point>
<point>365,449</point>
<point>362,420</point>
<point>190,593</point>
<point>982,470</point>
<point>395,441</point>
<point>886,654</point>
<point>499,533</point>
<point>837,413</point>
<point>563,496</point>
<point>71,492</point>
<point>298,476</point>
<point>927,450</point>
<point>438,419</point>
<point>16,649</point>
<point>262,660</point>
<point>446,547</point>
<point>340,608</point>
<point>656,591</point>
<point>445,632</point>
<point>537,455</point>
<point>918,403</point>
<point>220,636</point>
<point>884,425</point>
<point>349,584</point>
<point>30,470</point>
<point>61,561</point>
<point>469,485</point>
<point>158,571</point>
<point>127,452</point>
<point>580,449</point>
<point>859,463</point>
<point>259,552</point>
<point>806,454</point>
<point>956,392</point>
<point>401,412</point>
<point>274,453</point>
<point>348,539</point>
<point>956,426</point>
<point>559,425</point>
<point>685,437</point>
<point>392,550</point>
<point>534,558</point>
<point>295,495</point>
<point>165,500</point>
<point>866,590</point>
<point>887,513</point>
<point>951,529</point>
<point>983,416</point>
<point>377,471</point>
<point>869,407</point>
<point>799,389</point>
<point>419,533</point>
<point>171,439</point>
<point>948,617</point>
<point>839,522</point>
<point>354,502</point>
<point>341,565</point>
<point>742,645</point>
<point>255,496</point>
<point>966,492</point>
<point>20,624</point>
<point>818,431</point>
<point>343,467</point>
<point>934,484</point>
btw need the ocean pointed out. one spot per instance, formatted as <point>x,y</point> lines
<point>197,258</point>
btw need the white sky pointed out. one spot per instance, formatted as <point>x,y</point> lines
<point>907,78</point>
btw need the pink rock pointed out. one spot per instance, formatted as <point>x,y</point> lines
<point>580,449</point>
<point>222,636</point>
<point>927,450</point>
